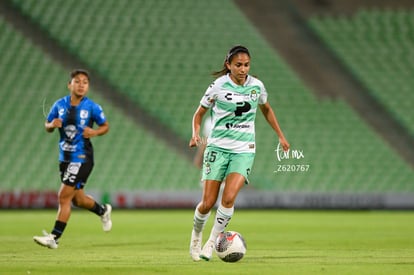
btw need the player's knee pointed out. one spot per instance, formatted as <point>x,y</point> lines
<point>227,202</point>
<point>63,200</point>
<point>205,206</point>
<point>75,202</point>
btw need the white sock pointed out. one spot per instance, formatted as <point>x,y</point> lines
<point>199,220</point>
<point>223,217</point>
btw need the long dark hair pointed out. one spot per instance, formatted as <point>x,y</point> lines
<point>229,57</point>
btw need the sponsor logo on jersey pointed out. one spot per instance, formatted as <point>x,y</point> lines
<point>68,147</point>
<point>70,131</point>
<point>242,107</point>
<point>237,126</point>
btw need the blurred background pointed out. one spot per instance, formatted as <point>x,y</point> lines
<point>339,76</point>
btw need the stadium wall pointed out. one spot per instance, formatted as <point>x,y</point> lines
<point>247,199</point>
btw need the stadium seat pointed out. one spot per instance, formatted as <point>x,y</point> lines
<point>377,45</point>
<point>161,56</point>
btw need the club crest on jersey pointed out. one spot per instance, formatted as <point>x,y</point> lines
<point>83,114</point>
<point>253,95</point>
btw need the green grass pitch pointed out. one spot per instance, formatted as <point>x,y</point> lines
<point>156,241</point>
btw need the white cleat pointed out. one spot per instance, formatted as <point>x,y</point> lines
<point>207,251</point>
<point>106,218</point>
<point>195,245</point>
<point>48,240</point>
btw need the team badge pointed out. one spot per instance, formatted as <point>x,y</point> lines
<point>208,168</point>
<point>253,95</point>
<point>83,114</point>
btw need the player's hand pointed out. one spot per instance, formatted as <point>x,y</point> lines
<point>285,144</point>
<point>88,132</point>
<point>195,141</point>
<point>56,123</point>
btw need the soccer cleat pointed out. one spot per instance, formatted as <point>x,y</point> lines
<point>106,218</point>
<point>207,251</point>
<point>48,240</point>
<point>195,245</point>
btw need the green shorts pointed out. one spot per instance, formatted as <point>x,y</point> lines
<point>218,164</point>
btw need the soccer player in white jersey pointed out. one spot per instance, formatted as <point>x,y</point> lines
<point>233,99</point>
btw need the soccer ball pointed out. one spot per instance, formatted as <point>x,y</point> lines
<point>230,246</point>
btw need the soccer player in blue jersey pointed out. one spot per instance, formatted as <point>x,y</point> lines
<point>74,116</point>
<point>233,100</point>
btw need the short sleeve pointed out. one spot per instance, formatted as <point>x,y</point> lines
<point>98,114</point>
<point>263,95</point>
<point>53,112</point>
<point>209,96</point>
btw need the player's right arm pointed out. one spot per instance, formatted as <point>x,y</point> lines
<point>55,123</point>
<point>206,102</point>
<point>53,119</point>
<point>197,118</point>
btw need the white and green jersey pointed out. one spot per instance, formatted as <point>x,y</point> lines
<point>233,111</point>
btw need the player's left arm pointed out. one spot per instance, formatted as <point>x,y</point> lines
<point>270,117</point>
<point>99,117</point>
<point>101,130</point>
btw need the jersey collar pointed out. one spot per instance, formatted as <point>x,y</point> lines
<point>237,85</point>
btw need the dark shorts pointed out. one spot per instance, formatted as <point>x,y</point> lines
<point>75,173</point>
